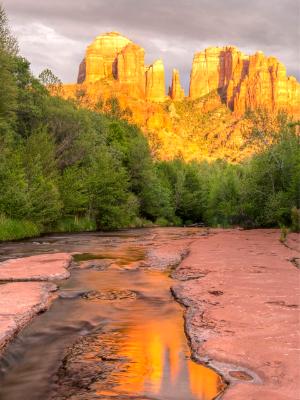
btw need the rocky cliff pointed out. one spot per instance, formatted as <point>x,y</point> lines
<point>130,68</point>
<point>155,82</point>
<point>209,122</point>
<point>113,57</point>
<point>244,82</point>
<point>100,60</point>
<point>176,92</point>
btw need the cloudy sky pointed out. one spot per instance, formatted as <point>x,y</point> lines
<point>54,33</point>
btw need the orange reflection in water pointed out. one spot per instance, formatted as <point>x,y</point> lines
<point>148,345</point>
<point>154,343</point>
<point>161,365</point>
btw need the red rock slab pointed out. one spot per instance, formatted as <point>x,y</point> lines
<point>242,312</point>
<point>19,303</point>
<point>167,255</point>
<point>43,267</point>
<point>293,241</point>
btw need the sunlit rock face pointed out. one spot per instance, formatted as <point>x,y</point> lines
<point>244,82</point>
<point>131,69</point>
<point>213,69</point>
<point>176,92</point>
<point>155,81</point>
<point>101,57</point>
<point>113,57</point>
<point>210,122</point>
<point>266,85</point>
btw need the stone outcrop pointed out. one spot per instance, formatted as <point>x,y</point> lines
<point>131,69</point>
<point>20,302</point>
<point>213,69</point>
<point>21,296</point>
<point>244,82</point>
<point>260,365</point>
<point>101,57</point>
<point>42,267</point>
<point>155,82</point>
<point>209,122</point>
<point>266,85</point>
<point>114,58</point>
<point>176,91</point>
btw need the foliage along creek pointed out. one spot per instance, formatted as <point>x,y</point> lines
<point>115,331</point>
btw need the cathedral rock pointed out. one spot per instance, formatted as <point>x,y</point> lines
<point>114,57</point>
<point>176,92</point>
<point>209,121</point>
<point>244,82</point>
<point>114,65</point>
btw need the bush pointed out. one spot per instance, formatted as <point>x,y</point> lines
<point>11,229</point>
<point>283,233</point>
<point>161,221</point>
<point>295,217</point>
<point>75,224</point>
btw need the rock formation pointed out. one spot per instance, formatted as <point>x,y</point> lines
<point>113,57</point>
<point>101,57</point>
<point>131,69</point>
<point>155,82</point>
<point>266,85</point>
<point>224,84</point>
<point>176,92</point>
<point>244,82</point>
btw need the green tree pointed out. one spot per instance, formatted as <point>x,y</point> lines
<point>51,81</point>
<point>108,191</point>
<point>42,178</point>
<point>8,87</point>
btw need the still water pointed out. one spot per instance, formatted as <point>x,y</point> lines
<point>147,351</point>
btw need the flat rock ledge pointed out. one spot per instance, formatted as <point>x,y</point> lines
<point>43,267</point>
<point>166,256</point>
<point>19,303</point>
<point>23,294</point>
<point>241,292</point>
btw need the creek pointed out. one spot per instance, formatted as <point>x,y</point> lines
<point>115,331</point>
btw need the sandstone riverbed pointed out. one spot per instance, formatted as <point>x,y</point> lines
<point>239,289</point>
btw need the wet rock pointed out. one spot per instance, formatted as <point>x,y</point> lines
<point>99,265</point>
<point>166,256</point>
<point>186,274</point>
<point>110,294</point>
<point>43,267</point>
<point>241,375</point>
<point>71,294</point>
<point>19,303</point>
<point>282,304</point>
<point>91,360</point>
<point>296,261</point>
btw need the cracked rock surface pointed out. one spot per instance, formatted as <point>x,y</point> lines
<point>241,293</point>
<point>24,291</point>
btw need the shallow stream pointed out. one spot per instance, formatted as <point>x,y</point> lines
<point>115,332</point>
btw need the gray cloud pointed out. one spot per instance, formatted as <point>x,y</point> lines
<point>55,34</point>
